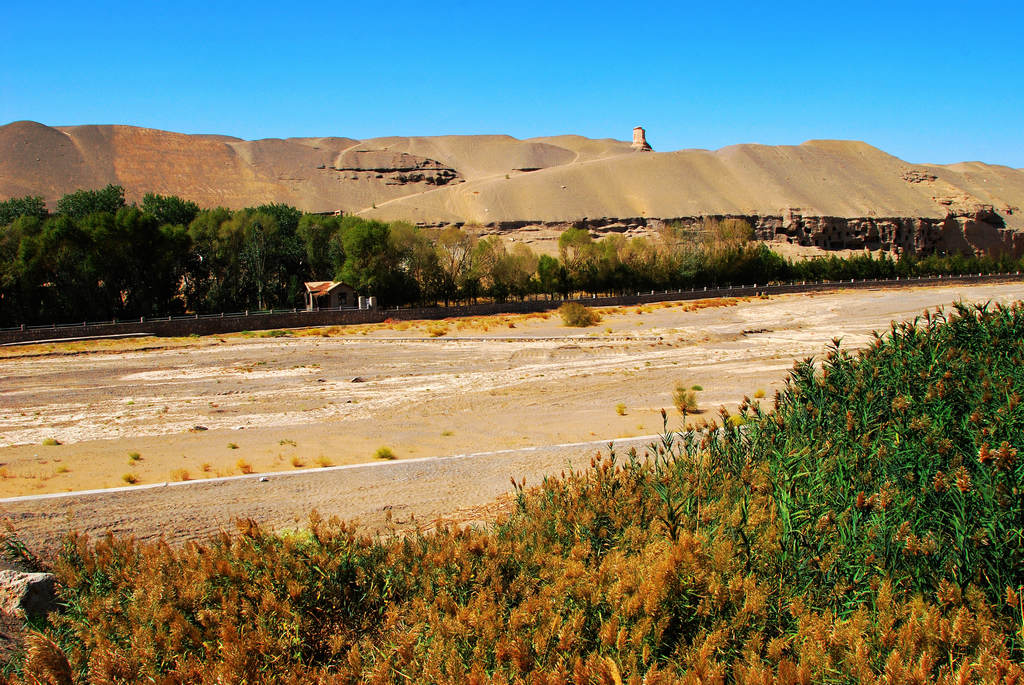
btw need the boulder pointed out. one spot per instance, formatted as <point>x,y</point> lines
<point>27,595</point>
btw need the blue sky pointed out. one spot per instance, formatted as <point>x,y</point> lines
<point>928,82</point>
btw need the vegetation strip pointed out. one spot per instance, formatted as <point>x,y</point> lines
<point>99,259</point>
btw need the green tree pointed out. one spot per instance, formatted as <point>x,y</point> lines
<point>56,265</point>
<point>84,202</point>
<point>316,233</point>
<point>15,305</point>
<point>418,260</point>
<point>371,263</point>
<point>21,206</point>
<point>169,209</point>
<point>455,259</point>
<point>286,216</point>
<point>577,252</point>
<point>213,273</point>
<point>552,276</point>
<point>136,262</point>
<point>503,273</point>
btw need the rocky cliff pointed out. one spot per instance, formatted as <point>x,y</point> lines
<point>981,231</point>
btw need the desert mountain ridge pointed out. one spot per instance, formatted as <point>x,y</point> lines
<point>498,179</point>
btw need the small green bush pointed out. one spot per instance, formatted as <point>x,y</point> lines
<point>384,453</point>
<point>577,315</point>
<point>51,442</point>
<point>685,398</point>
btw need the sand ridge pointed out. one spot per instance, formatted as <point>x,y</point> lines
<point>497,178</point>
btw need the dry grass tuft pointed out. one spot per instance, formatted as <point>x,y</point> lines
<point>180,475</point>
<point>46,662</point>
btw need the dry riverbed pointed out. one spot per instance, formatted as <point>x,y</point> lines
<point>153,410</point>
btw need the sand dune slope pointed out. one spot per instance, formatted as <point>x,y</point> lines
<point>495,178</point>
<point>315,174</point>
<point>818,178</point>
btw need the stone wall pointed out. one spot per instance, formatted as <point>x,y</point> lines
<point>212,325</point>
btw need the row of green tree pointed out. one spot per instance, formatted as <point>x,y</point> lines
<point>97,257</point>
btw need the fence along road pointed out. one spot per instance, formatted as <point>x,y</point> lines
<point>212,324</point>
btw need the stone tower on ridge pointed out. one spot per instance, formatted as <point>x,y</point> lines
<point>640,143</point>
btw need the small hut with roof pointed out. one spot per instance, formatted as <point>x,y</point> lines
<point>330,295</point>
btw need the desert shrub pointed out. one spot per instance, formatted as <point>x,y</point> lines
<point>243,466</point>
<point>384,453</point>
<point>906,456</point>
<point>866,526</point>
<point>577,315</point>
<point>50,442</point>
<point>620,409</point>
<point>684,398</point>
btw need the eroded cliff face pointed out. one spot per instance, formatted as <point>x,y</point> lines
<point>391,168</point>
<point>981,231</point>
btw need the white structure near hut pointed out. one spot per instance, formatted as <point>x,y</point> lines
<point>329,295</point>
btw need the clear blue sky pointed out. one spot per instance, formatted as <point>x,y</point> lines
<point>929,82</point>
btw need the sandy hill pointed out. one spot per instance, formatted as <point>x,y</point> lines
<point>817,178</point>
<point>486,179</point>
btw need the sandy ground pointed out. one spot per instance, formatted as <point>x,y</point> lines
<point>291,403</point>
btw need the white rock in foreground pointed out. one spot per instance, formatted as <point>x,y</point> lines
<point>27,594</point>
